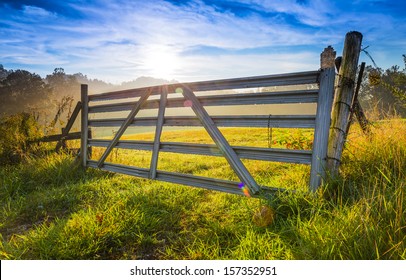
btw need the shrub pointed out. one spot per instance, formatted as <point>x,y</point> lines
<point>16,131</point>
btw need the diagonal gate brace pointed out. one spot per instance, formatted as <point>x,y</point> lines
<point>65,131</point>
<point>218,138</point>
<point>123,127</point>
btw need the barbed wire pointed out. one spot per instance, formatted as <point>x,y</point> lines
<point>376,79</point>
<point>370,56</point>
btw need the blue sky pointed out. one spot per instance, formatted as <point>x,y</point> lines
<point>116,40</point>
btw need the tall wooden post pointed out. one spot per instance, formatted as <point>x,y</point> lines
<point>84,125</point>
<point>327,58</point>
<point>324,103</point>
<point>343,97</point>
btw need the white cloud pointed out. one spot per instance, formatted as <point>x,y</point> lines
<point>120,40</point>
<point>313,12</point>
<point>34,12</point>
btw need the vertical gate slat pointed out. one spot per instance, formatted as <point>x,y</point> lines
<point>84,124</point>
<point>123,127</point>
<point>221,142</point>
<point>158,131</point>
<point>321,132</point>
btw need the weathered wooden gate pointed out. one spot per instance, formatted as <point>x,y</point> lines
<point>321,92</point>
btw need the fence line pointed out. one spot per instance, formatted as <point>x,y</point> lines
<point>66,134</point>
<point>319,90</point>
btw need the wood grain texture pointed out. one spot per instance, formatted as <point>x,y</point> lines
<point>343,97</point>
<point>84,124</point>
<point>321,132</point>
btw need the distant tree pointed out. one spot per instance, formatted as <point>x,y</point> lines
<point>144,82</point>
<point>63,84</point>
<point>3,73</point>
<point>22,91</point>
<point>95,85</point>
<point>385,89</point>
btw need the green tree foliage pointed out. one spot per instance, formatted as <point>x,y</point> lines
<point>385,89</point>
<point>15,133</point>
<point>63,84</point>
<point>23,91</point>
<point>95,85</point>
<point>66,90</point>
<point>50,99</point>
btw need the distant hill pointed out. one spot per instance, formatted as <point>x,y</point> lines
<point>145,82</point>
<point>99,86</point>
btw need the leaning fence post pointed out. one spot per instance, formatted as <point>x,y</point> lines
<point>343,97</point>
<point>323,116</point>
<point>356,106</point>
<point>84,125</point>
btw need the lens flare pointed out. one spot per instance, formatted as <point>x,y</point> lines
<point>244,189</point>
<point>188,103</point>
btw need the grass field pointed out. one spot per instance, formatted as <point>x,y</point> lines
<point>52,209</point>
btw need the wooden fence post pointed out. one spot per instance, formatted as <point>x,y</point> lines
<point>356,106</point>
<point>324,103</point>
<point>84,125</point>
<point>343,98</point>
<point>327,58</point>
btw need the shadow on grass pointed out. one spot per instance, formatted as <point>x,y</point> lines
<point>40,191</point>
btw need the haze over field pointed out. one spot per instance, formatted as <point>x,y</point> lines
<point>190,40</point>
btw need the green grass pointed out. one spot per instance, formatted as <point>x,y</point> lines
<point>52,209</point>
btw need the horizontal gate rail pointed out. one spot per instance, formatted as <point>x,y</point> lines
<point>265,154</point>
<point>283,97</point>
<point>183,179</point>
<point>282,121</point>
<point>300,78</point>
<point>58,137</point>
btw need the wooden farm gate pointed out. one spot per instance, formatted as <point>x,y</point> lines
<point>319,90</point>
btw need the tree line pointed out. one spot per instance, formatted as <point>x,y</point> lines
<point>384,90</point>
<point>47,99</point>
<point>50,99</point>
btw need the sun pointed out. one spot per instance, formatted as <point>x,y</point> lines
<point>162,62</point>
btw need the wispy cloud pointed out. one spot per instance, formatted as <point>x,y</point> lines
<point>186,40</point>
